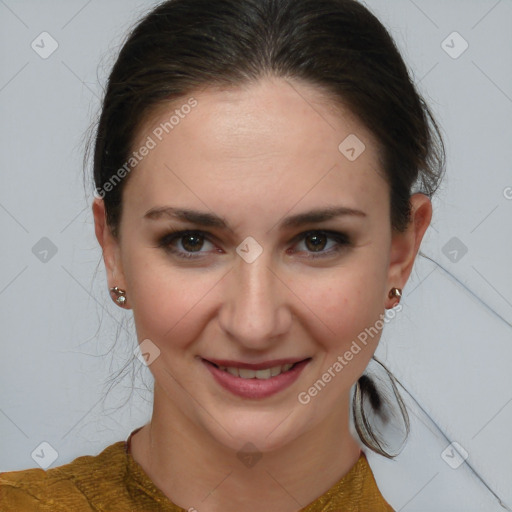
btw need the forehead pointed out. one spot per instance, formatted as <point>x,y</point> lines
<point>269,145</point>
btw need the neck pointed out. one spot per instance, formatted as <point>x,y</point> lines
<point>197,473</point>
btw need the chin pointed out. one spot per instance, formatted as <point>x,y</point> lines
<point>255,431</point>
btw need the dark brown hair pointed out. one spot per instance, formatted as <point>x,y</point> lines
<point>337,45</point>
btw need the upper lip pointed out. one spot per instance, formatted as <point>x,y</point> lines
<point>255,366</point>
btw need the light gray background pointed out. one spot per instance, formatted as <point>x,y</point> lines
<point>451,346</point>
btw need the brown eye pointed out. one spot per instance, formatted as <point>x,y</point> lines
<point>192,242</point>
<point>316,242</point>
<point>320,244</point>
<point>185,244</point>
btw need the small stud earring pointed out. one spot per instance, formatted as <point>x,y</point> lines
<point>395,293</point>
<point>118,296</point>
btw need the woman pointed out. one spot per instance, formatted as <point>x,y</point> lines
<point>263,171</point>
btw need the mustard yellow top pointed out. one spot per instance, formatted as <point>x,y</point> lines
<point>114,481</point>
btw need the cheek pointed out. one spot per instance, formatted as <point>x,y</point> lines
<point>347,306</point>
<point>168,303</point>
<point>346,299</point>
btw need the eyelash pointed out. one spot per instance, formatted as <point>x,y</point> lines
<point>341,239</point>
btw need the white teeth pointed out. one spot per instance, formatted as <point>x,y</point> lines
<point>265,374</point>
<point>246,374</point>
<point>275,370</point>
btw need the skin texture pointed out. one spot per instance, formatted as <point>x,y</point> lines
<point>255,155</point>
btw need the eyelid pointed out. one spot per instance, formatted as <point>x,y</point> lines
<point>165,241</point>
<point>341,239</point>
<point>328,232</point>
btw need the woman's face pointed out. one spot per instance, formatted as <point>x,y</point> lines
<point>250,285</point>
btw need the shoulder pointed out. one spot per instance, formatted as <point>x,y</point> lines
<point>357,491</point>
<point>370,497</point>
<point>72,486</point>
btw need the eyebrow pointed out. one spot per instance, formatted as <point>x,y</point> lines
<point>214,221</point>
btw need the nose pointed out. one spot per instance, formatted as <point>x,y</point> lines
<point>254,312</point>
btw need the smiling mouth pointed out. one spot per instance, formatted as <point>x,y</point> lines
<point>261,374</point>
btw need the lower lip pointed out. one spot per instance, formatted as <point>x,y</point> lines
<point>256,388</point>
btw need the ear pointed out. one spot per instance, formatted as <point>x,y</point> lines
<point>110,247</point>
<point>405,245</point>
